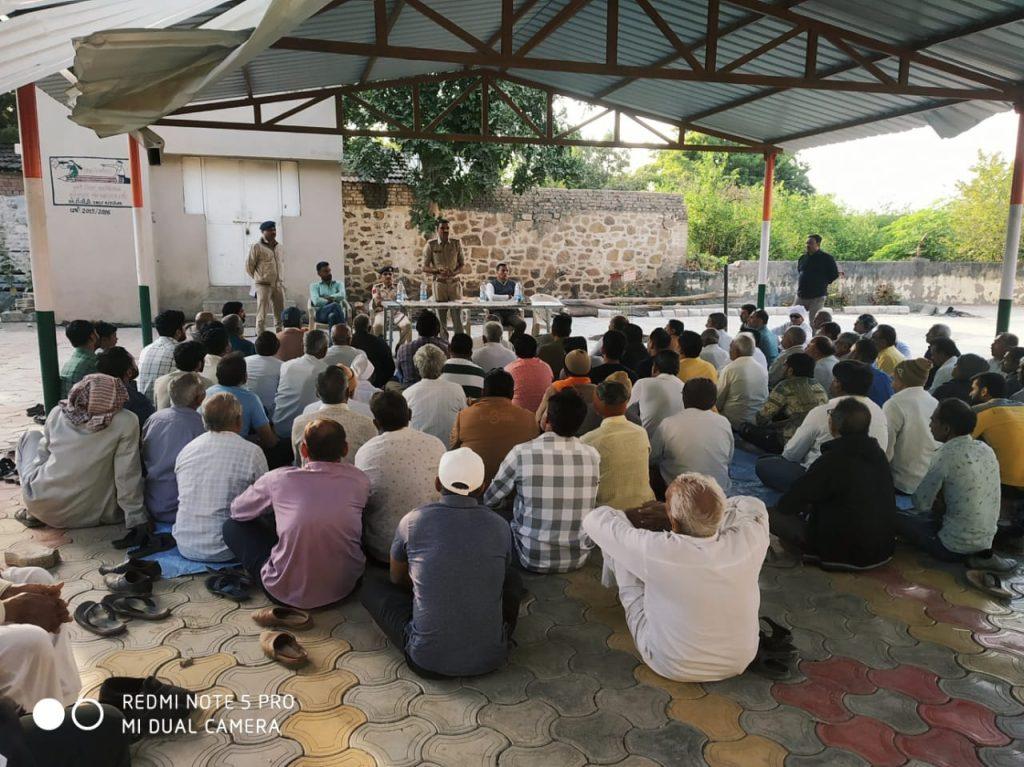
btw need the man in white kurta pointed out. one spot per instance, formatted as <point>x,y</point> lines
<point>688,582</point>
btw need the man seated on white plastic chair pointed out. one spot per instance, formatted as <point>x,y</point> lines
<point>327,296</point>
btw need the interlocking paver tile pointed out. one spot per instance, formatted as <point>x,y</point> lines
<point>644,675</point>
<point>452,713</point>
<point>623,642</point>
<point>323,656</point>
<point>136,662</point>
<point>644,706</point>
<point>433,686</point>
<point>936,658</point>
<point>201,614</point>
<point>532,628</point>
<point>198,673</point>
<point>277,753</point>
<point>918,683</point>
<point>612,616</point>
<point>254,680</point>
<point>200,641</point>
<point>751,751</point>
<point>571,695</point>
<point>810,645</point>
<point>1006,666</point>
<point>362,637</point>
<point>822,700</point>
<point>246,649</point>
<point>870,738</point>
<point>383,702</point>
<point>323,733</point>
<point>751,691</point>
<point>716,716</point>
<point>544,659</point>
<point>587,637</point>
<point>177,752</point>
<point>87,653</point>
<point>395,744</point>
<point>888,631</point>
<point>555,753</point>
<point>143,635</point>
<point>674,744</point>
<point>526,724</point>
<point>612,668</point>
<point>897,710</point>
<point>350,757</point>
<point>507,685</point>
<point>957,639</point>
<point>1010,756</point>
<point>939,747</point>
<point>592,592</point>
<point>378,667</point>
<point>847,674</point>
<point>968,718</point>
<point>598,735</point>
<point>479,748</point>
<point>986,690</point>
<point>1004,639</point>
<point>871,651</point>
<point>789,726</point>
<point>258,724</point>
<point>565,612</point>
<point>546,587</point>
<point>321,691</point>
<point>830,757</point>
<point>826,622</point>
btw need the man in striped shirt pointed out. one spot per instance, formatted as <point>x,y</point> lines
<point>461,369</point>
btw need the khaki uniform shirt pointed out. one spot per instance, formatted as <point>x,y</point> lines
<point>380,293</point>
<point>264,263</point>
<point>448,255</point>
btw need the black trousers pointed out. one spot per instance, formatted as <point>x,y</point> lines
<point>390,606</point>
<point>25,745</point>
<point>251,542</point>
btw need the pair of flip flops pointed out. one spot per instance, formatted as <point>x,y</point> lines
<point>284,648</point>
<point>776,654</point>
<point>230,583</point>
<point>103,618</point>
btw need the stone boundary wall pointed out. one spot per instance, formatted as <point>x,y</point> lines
<point>14,221</point>
<point>916,281</point>
<point>563,241</point>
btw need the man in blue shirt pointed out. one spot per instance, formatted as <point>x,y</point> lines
<point>327,296</point>
<point>452,600</point>
<point>231,378</point>
<point>881,387</point>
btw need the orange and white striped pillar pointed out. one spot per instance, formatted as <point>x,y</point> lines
<point>766,228</point>
<point>143,245</point>
<point>38,243</point>
<point>1013,226</point>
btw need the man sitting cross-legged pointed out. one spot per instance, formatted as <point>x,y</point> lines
<point>452,599</point>
<point>83,468</point>
<point>231,379</point>
<point>624,448</point>
<point>842,511</point>
<point>577,377</point>
<point>959,385</point>
<point>401,464</point>
<point>297,386</point>
<point>213,470</point>
<point>189,357</point>
<point>460,368</point>
<point>956,505</point>
<point>792,343</point>
<point>332,386</point>
<point>555,479</point>
<point>850,379</point>
<point>687,575</point>
<point>743,384</point>
<point>881,389</point>
<point>434,402</point>
<point>263,370</point>
<point>907,414</point>
<point>788,404</point>
<point>163,437</point>
<point>696,439</point>
<point>297,531</point>
<point>660,396</point>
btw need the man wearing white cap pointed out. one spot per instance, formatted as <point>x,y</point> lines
<point>453,596</point>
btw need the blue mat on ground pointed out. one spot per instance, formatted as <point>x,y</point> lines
<point>745,482</point>
<point>173,565</point>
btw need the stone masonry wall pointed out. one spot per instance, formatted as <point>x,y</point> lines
<point>561,241</point>
<point>13,222</point>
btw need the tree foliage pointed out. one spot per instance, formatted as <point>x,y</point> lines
<point>978,212</point>
<point>8,119</point>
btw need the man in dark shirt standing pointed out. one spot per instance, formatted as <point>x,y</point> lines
<point>817,270</point>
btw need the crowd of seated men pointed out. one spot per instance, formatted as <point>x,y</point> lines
<point>429,481</point>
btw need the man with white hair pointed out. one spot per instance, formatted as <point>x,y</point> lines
<point>297,387</point>
<point>713,351</point>
<point>687,573</point>
<point>434,402</point>
<point>743,384</point>
<point>493,354</point>
<point>163,437</point>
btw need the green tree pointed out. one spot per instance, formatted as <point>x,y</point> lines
<point>596,168</point>
<point>748,169</point>
<point>925,233</point>
<point>8,119</point>
<point>978,212</point>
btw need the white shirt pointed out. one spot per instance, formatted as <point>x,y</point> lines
<point>944,373</point>
<point>493,355</point>
<point>694,440</point>
<point>805,445</point>
<point>742,390</point>
<point>691,603</point>
<point>296,389</point>
<point>911,445</point>
<point>346,355</point>
<point>716,355</point>
<point>212,470</point>
<point>658,398</point>
<point>354,405</point>
<point>263,375</point>
<point>823,371</point>
<point>724,340</point>
<point>434,405</point>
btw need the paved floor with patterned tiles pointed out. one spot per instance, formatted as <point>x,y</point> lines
<point>903,665</point>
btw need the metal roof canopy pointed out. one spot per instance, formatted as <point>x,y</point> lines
<point>761,75</point>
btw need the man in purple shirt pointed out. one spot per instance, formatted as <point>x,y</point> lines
<point>314,558</point>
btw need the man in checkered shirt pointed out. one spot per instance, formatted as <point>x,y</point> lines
<point>428,327</point>
<point>555,478</point>
<point>157,359</point>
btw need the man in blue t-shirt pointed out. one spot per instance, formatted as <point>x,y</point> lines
<point>452,600</point>
<point>231,378</point>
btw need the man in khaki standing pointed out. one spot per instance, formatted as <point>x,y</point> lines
<point>264,266</point>
<point>443,261</point>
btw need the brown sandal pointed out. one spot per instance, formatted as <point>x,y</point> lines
<point>282,617</point>
<point>284,648</point>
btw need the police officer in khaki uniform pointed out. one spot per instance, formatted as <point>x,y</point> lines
<point>443,261</point>
<point>264,266</point>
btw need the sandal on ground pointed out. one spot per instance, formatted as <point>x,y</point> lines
<point>282,617</point>
<point>231,585</point>
<point>27,519</point>
<point>775,640</point>
<point>7,467</point>
<point>283,648</point>
<point>99,619</point>
<point>990,583</point>
<point>146,567</point>
<point>35,410</point>
<point>993,563</point>
<point>770,668</point>
<point>143,608</point>
<point>133,583</point>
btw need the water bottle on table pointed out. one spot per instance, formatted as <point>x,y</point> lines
<point>518,297</point>
<point>401,297</point>
<point>423,291</point>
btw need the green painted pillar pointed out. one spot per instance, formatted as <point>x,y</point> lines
<point>146,312</point>
<point>46,333</point>
<point>761,290</point>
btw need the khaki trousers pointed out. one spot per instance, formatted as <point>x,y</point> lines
<point>398,320</point>
<point>448,291</point>
<point>269,298</point>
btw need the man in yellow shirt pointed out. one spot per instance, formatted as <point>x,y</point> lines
<point>888,355</point>
<point>690,363</point>
<point>624,449</point>
<point>1000,425</point>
